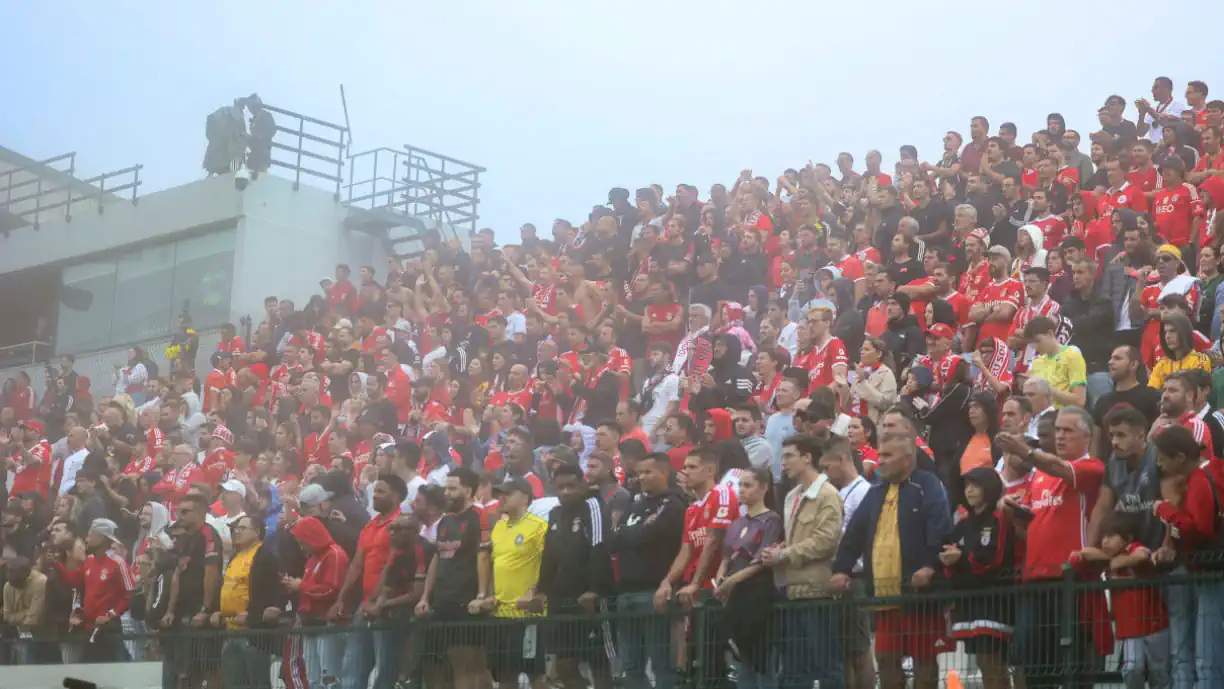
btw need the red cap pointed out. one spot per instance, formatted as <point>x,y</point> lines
<point>941,330</point>
<point>36,425</point>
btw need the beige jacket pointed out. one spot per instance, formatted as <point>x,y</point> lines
<point>813,521</point>
<point>879,391</point>
<point>23,607</point>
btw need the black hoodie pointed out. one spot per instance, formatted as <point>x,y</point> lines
<point>648,540</point>
<point>576,558</point>
<point>905,340</point>
<point>733,384</point>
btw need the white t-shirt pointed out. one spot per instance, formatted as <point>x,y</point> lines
<point>1156,131</point>
<point>516,324</point>
<point>788,339</point>
<point>665,393</point>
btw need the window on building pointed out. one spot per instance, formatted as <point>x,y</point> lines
<point>136,297</point>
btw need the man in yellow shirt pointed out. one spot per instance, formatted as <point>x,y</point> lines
<point>1062,366</point>
<point>251,597</point>
<point>517,550</point>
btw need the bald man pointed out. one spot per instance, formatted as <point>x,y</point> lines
<point>78,438</point>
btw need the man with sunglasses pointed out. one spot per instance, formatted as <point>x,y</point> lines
<point>251,598</point>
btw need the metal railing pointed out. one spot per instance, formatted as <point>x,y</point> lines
<point>52,184</point>
<point>317,147</point>
<point>25,353</point>
<point>417,183</point>
<point>1048,633</point>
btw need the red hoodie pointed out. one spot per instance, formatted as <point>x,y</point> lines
<point>324,572</point>
<point>722,424</point>
<point>1194,523</point>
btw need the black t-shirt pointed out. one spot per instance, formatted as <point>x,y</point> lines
<point>929,218</point>
<point>460,537</point>
<point>339,386</point>
<point>630,337</point>
<point>710,293</point>
<point>905,273</point>
<point>196,550</point>
<point>406,568</point>
<point>1141,397</point>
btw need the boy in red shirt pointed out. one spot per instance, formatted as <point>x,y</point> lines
<point>1141,621</point>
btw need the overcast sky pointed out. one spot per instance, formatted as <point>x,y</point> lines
<point>562,101</point>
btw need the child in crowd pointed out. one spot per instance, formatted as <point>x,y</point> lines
<point>1141,621</point>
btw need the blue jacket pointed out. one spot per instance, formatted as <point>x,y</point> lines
<point>925,523</point>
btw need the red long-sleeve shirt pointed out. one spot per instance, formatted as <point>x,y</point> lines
<point>324,571</point>
<point>108,586</point>
<point>175,484</point>
<point>1194,523</point>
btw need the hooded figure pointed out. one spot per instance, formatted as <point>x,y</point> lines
<point>722,424</point>
<point>731,322</point>
<point>325,569</point>
<point>753,323</point>
<point>157,526</point>
<point>1037,257</point>
<point>986,543</point>
<point>733,384</point>
<point>904,338</point>
<point>849,326</point>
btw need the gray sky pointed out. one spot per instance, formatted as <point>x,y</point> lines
<point>562,101</point>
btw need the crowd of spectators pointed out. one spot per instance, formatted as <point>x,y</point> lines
<point>973,375</point>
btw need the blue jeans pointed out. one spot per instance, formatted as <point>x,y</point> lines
<point>1209,634</point>
<point>747,678</point>
<point>1179,600</point>
<point>1099,385</point>
<point>365,651</point>
<point>808,639</point>
<point>324,655</point>
<point>645,636</point>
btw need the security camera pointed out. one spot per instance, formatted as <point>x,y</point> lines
<point>242,178</point>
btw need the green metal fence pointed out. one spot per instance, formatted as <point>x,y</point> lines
<point>1033,634</point>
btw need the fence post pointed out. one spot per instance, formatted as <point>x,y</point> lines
<point>1068,614</point>
<point>701,642</point>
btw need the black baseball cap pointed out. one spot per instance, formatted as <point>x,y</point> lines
<point>515,485</point>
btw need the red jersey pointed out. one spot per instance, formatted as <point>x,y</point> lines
<point>342,294</point>
<point>1060,517</point>
<point>234,345</point>
<point>1137,612</point>
<point>1069,178</point>
<point>175,484</point>
<point>917,306</point>
<point>28,478</point>
<point>1095,233</point>
<point>1018,490</point>
<point>545,297</point>
<point>1147,180</point>
<point>217,465</point>
<point>1006,291</point>
<point>974,280</point>
<point>1175,210</point>
<point>522,398</point>
<point>140,466</point>
<point>107,584</point>
<point>821,360</point>
<point>1053,229</point>
<point>217,381</point>
<point>851,268</point>
<point>314,448</point>
<point>870,254</point>
<point>1126,196</point>
<point>960,304</point>
<point>155,440</point>
<point>713,512</point>
<point>1028,178</point>
<point>1202,435</point>
<point>665,313</point>
<point>22,402</point>
<point>1208,162</point>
